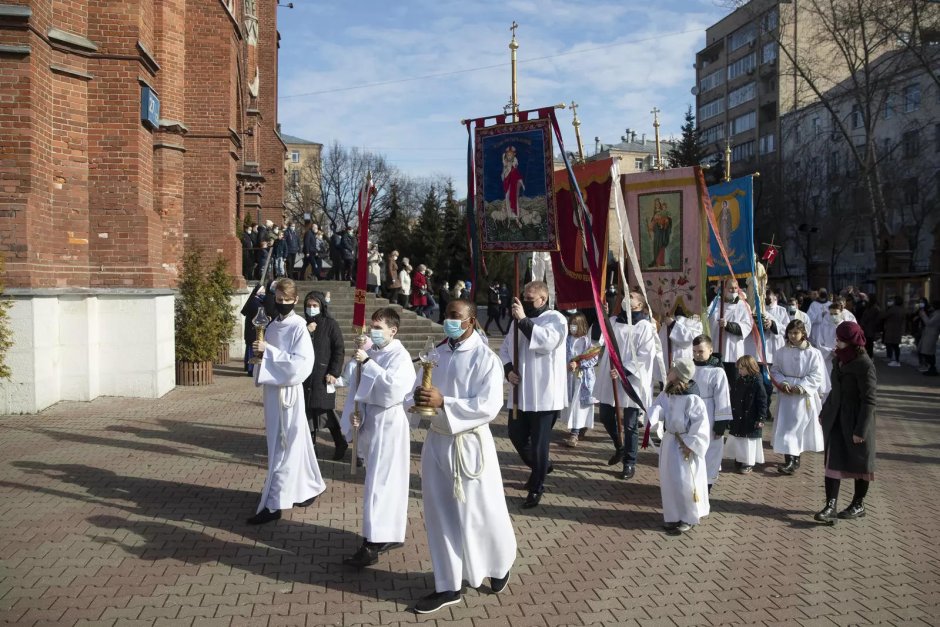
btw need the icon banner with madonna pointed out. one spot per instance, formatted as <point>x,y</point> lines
<point>514,192</point>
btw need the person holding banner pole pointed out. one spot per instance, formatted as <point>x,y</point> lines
<point>730,320</point>
<point>538,376</point>
<point>636,337</point>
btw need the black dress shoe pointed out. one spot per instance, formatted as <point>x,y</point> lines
<point>498,584</point>
<point>434,602</point>
<point>827,513</point>
<point>669,526</point>
<point>628,472</point>
<point>384,547</point>
<point>340,451</point>
<point>306,503</point>
<point>532,500</point>
<point>264,516</point>
<point>617,457</point>
<point>367,555</point>
<point>856,509</point>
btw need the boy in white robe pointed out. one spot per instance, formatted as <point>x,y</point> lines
<point>387,379</point>
<point>729,330</point>
<point>680,416</point>
<point>676,335</point>
<point>713,389</point>
<point>799,377</point>
<point>470,533</point>
<point>287,360</point>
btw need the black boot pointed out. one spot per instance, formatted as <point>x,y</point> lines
<point>789,467</point>
<point>827,513</point>
<point>796,462</point>
<point>856,509</point>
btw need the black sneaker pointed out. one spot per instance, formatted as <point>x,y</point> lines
<point>498,584</point>
<point>669,526</point>
<point>306,503</point>
<point>340,451</point>
<point>367,555</point>
<point>434,602</point>
<point>264,516</point>
<point>384,547</point>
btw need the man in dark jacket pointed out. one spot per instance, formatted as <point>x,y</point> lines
<point>310,252</point>
<point>336,255</point>
<point>248,255</point>
<point>328,350</point>
<point>348,248</point>
<point>293,248</point>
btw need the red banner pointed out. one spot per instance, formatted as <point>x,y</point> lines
<point>572,278</point>
<point>362,267</point>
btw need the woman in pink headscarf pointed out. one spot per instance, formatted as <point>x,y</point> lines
<point>848,421</point>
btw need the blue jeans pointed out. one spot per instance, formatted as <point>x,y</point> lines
<point>631,416</point>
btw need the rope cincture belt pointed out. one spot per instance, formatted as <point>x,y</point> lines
<point>460,465</point>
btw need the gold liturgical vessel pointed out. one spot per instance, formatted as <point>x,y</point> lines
<point>428,358</point>
<point>260,322</point>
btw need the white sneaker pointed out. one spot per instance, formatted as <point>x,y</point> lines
<point>894,364</point>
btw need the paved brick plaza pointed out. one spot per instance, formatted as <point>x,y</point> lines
<point>124,512</point>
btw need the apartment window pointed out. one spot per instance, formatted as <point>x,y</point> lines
<point>295,157</point>
<point>859,247</point>
<point>742,37</point>
<point>638,163</point>
<point>910,143</point>
<point>742,94</point>
<point>911,194</point>
<point>817,125</point>
<point>912,97</point>
<point>769,52</point>
<point>711,81</point>
<point>858,119</point>
<point>742,66</point>
<point>711,109</point>
<point>713,134</point>
<point>769,21</point>
<point>766,144</point>
<point>833,164</point>
<point>743,152</point>
<point>295,177</point>
<point>743,122</point>
<point>889,106</point>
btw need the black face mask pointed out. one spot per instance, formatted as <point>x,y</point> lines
<point>530,310</point>
<point>284,308</point>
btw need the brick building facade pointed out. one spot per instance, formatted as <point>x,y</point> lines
<point>98,205</point>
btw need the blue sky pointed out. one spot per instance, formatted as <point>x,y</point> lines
<point>345,70</point>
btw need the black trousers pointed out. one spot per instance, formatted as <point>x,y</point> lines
<point>330,422</point>
<point>631,417</point>
<point>530,432</point>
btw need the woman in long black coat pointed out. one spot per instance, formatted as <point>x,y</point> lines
<point>328,350</point>
<point>848,422</point>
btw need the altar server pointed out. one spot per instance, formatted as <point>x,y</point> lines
<point>679,414</point>
<point>713,389</point>
<point>387,379</point>
<point>676,335</point>
<point>798,376</point>
<point>540,378</point>
<point>287,360</point>
<point>582,357</point>
<point>731,327</point>
<point>470,533</point>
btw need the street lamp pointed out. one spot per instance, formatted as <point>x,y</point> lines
<point>809,230</point>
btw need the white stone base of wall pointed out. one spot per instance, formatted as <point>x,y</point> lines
<point>79,344</point>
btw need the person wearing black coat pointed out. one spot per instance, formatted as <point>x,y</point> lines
<point>848,422</point>
<point>748,411</point>
<point>328,350</point>
<point>248,255</point>
<point>256,300</point>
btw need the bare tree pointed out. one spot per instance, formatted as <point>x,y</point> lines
<point>913,25</point>
<point>303,194</point>
<point>344,170</point>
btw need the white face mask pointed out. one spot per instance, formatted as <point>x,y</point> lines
<point>836,318</point>
<point>572,329</point>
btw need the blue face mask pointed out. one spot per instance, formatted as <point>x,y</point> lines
<point>452,328</point>
<point>312,312</point>
<point>378,338</point>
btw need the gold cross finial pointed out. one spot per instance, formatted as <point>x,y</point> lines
<point>513,28</point>
<point>655,113</point>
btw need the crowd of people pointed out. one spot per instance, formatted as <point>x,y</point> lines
<point>698,387</point>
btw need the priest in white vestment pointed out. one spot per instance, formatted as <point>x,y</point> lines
<point>287,360</point>
<point>679,415</point>
<point>470,533</point>
<point>386,381</point>
<point>728,324</point>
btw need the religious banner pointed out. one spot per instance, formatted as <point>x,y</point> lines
<point>514,193</point>
<point>665,216</point>
<point>733,209</point>
<point>569,264</point>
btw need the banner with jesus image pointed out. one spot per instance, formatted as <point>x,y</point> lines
<point>514,192</point>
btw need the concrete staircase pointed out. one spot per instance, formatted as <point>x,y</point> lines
<point>414,329</point>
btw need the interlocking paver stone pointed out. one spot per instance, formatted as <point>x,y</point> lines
<point>127,512</point>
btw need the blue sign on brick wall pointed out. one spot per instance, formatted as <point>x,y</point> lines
<point>149,107</point>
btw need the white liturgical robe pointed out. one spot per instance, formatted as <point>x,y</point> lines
<point>293,472</point>
<point>637,344</point>
<point>682,481</point>
<point>732,345</point>
<point>773,341</point>
<point>470,534</point>
<point>796,428</point>
<point>714,391</point>
<point>542,360</point>
<point>679,338</point>
<point>388,380</point>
